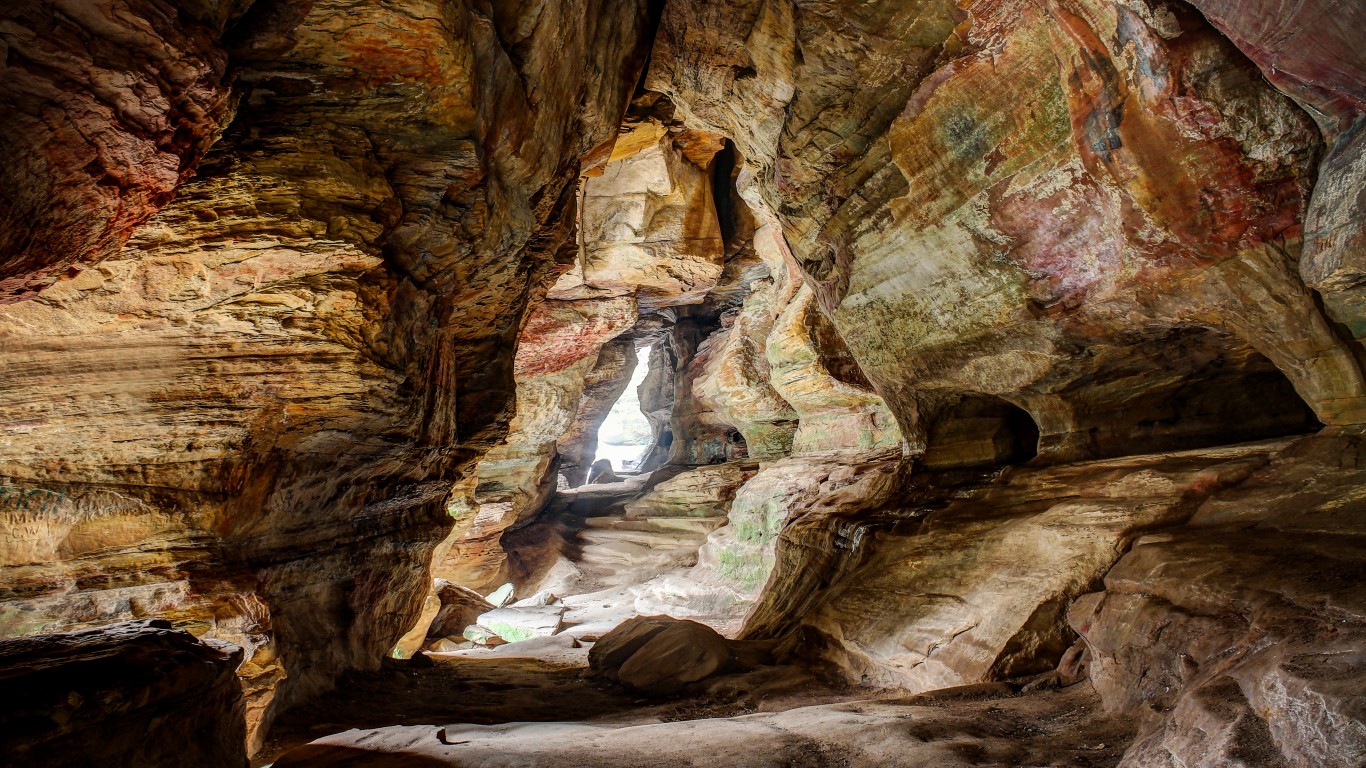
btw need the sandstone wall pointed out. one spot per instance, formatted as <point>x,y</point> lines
<point>249,418</point>
<point>1084,224</point>
<point>137,693</point>
<point>302,304</point>
<point>1035,247</point>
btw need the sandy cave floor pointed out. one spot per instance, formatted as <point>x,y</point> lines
<point>547,685</point>
<point>524,711</point>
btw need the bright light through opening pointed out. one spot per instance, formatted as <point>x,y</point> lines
<point>625,433</point>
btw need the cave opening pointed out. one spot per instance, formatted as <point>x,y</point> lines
<point>625,435</point>
<point>1224,410</point>
<point>731,447</point>
<point>1226,394</point>
<point>981,431</point>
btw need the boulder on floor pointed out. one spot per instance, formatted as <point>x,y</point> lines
<point>660,655</point>
<point>460,607</point>
<point>136,693</point>
<point>448,645</point>
<point>513,624</point>
<point>502,596</point>
<point>600,473</point>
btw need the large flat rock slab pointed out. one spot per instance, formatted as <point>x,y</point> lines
<point>514,624</point>
<point>134,694</point>
<point>1060,729</point>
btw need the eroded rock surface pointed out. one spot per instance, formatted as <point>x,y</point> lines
<point>984,576</point>
<point>1237,639</point>
<point>137,693</point>
<point>249,418</point>
<point>961,246</point>
<point>1312,52</point>
<point>109,107</point>
<point>987,341</point>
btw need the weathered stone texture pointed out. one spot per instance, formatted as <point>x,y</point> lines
<point>251,416</point>
<point>1312,52</point>
<point>1237,639</point>
<point>138,693</point>
<point>109,106</point>
<point>975,325</point>
<point>648,226</point>
<point>1150,190</point>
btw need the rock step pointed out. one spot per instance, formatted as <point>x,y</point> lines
<point>699,525</point>
<point>650,540</point>
<point>615,552</point>
<point>640,511</point>
<point>611,521</point>
<point>633,558</point>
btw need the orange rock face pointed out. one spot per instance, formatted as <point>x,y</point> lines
<point>109,107</point>
<point>249,418</point>
<point>1006,325</point>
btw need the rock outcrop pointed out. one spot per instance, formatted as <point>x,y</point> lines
<point>249,418</point>
<point>1312,52</point>
<point>137,693</point>
<point>984,569</point>
<point>1000,344</point>
<point>1237,638</point>
<point>1043,255</point>
<point>649,226</point>
<point>109,107</point>
<point>460,607</point>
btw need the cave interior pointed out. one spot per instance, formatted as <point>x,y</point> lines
<point>636,383</point>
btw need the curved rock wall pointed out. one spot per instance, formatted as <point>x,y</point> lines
<point>1313,53</point>
<point>305,303</point>
<point>248,420</point>
<point>110,105</point>
<point>557,352</point>
<point>1088,212</point>
<point>1032,252</point>
<point>604,385</point>
<point>648,238</point>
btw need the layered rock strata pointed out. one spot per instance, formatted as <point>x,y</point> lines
<point>984,571</point>
<point>972,305</point>
<point>1237,638</point>
<point>1130,234</point>
<point>248,419</point>
<point>1313,54</point>
<point>109,107</point>
<point>648,237</point>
